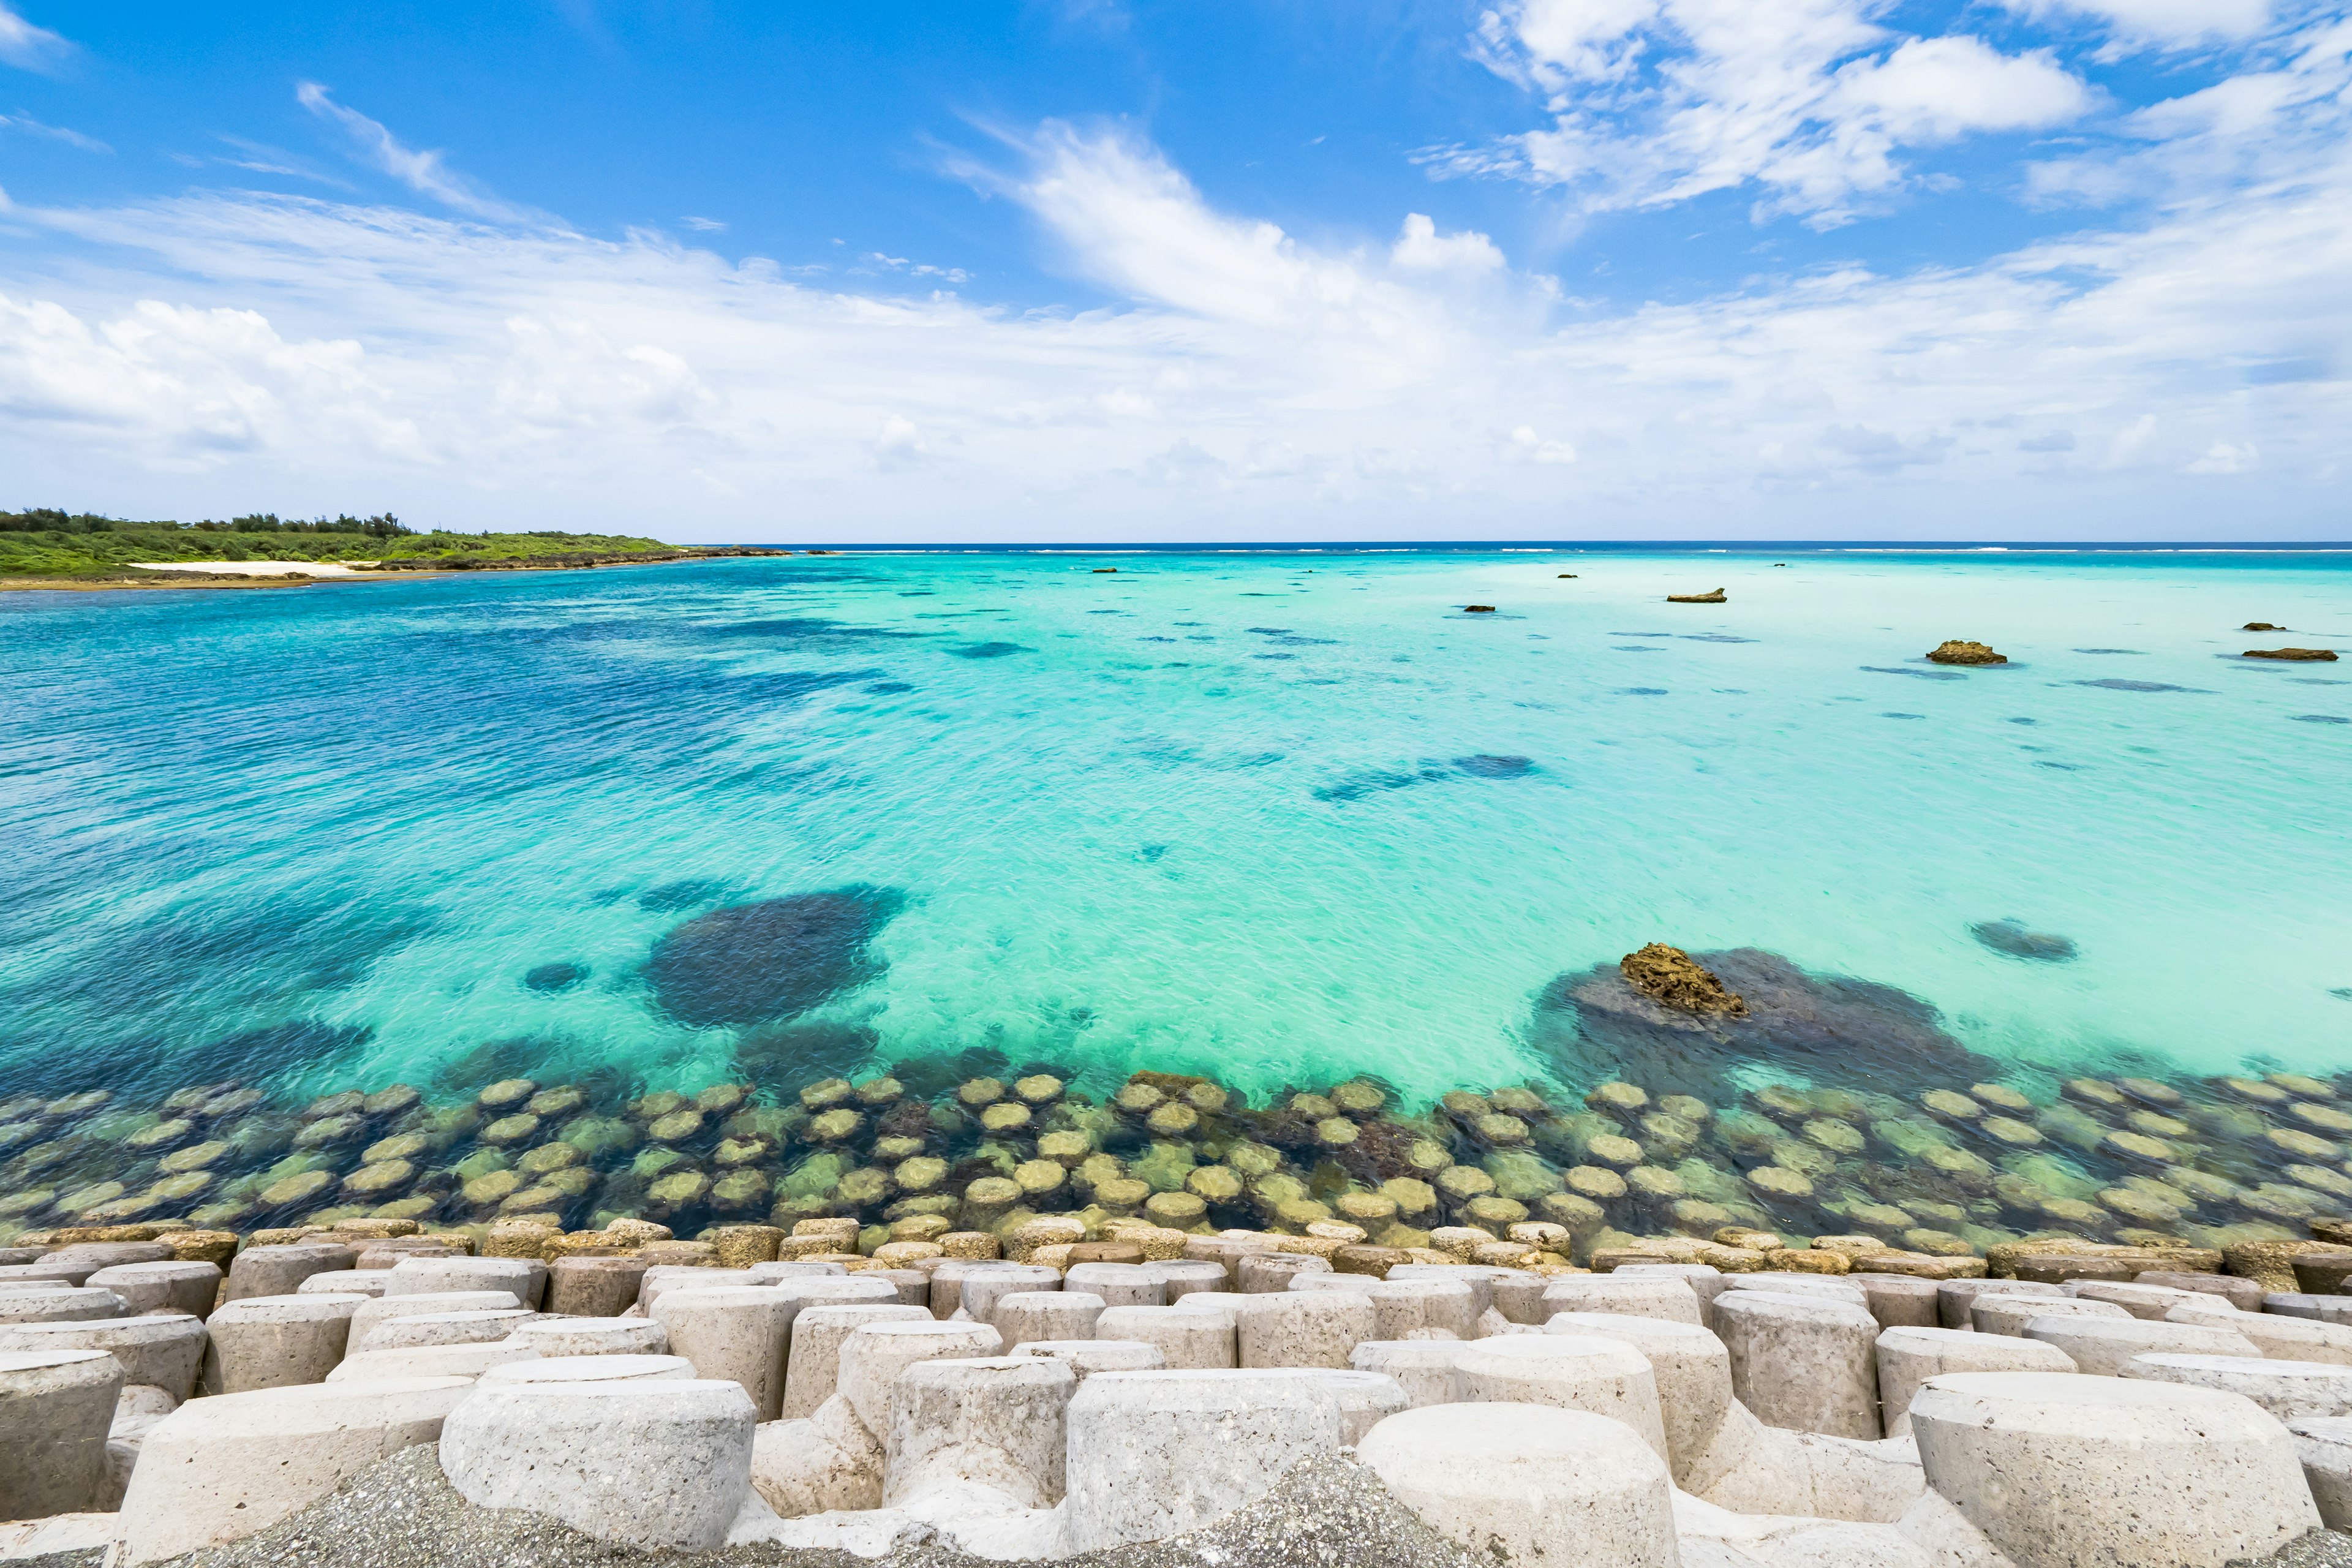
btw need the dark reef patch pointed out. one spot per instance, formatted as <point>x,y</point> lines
<point>551,978</point>
<point>2320,718</point>
<point>1641,691</point>
<point>668,898</point>
<point>152,1067</point>
<point>1711,636</point>
<point>798,629</point>
<point>2113,684</point>
<point>1592,1025</point>
<point>805,1051</point>
<point>2012,939</point>
<point>1488,765</point>
<point>2137,653</point>
<point>750,964</point>
<point>888,688</point>
<point>989,650</point>
<point>1916,674</point>
<point>1357,786</point>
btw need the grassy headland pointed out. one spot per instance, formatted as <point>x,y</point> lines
<point>54,545</point>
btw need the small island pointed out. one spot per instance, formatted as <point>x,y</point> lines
<point>46,548</point>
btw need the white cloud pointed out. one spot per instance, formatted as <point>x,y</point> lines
<point>25,45</point>
<point>32,127</point>
<point>423,172</point>
<point>1421,248</point>
<point>1656,101</point>
<point>2171,23</point>
<point>703,225</point>
<point>1234,380</point>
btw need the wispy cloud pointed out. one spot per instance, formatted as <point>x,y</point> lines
<point>703,225</point>
<point>25,124</point>
<point>423,173</point>
<point>27,46</point>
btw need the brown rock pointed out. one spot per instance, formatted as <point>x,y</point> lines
<point>1668,975</point>
<point>2261,626</point>
<point>2294,655</point>
<point>1955,651</point>
<point>1478,609</point>
<point>2269,1262</point>
<point>1714,596</point>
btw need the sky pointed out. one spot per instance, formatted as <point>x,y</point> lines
<point>1104,270</point>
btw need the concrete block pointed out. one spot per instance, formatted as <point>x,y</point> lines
<point>646,1462</point>
<point>982,1293</point>
<point>738,1334</point>
<point>524,1279</point>
<point>2101,1346</point>
<point>216,1470</point>
<point>1181,1277</point>
<point>1568,1372</point>
<point>665,1277</point>
<point>368,1282</point>
<point>1517,1483</point>
<point>1189,1341</point>
<point>1226,1252</point>
<point>593,1287</point>
<point>1264,1272</point>
<point>1300,1327</point>
<point>1422,1308</point>
<point>1802,1363</point>
<point>1121,1284</point>
<point>1086,1357</point>
<point>1690,1366</point>
<point>56,1407</point>
<point>467,1362</point>
<point>1956,1298</point>
<point>1787,1282</point>
<point>875,1353</point>
<point>160,1351</point>
<point>423,1328</point>
<point>812,1364</point>
<point>1908,1357</point>
<point>1620,1295</point>
<point>2062,1471</point>
<point>1156,1454</point>
<point>279,1270</point>
<point>995,1421</point>
<point>2290,1390</point>
<point>59,1304</point>
<point>618,1368</point>
<point>45,1271</point>
<point>94,1256</point>
<point>1899,1301</point>
<point>1481,1277</point>
<point>2319,1308</point>
<point>572,1338</point>
<point>823,1464</point>
<point>372,1314</point>
<point>1024,1315</point>
<point>2271,1333</point>
<point>1366,1399</point>
<point>2246,1295</point>
<point>913,1285</point>
<point>276,1342</point>
<point>2150,1301</point>
<point>947,1282</point>
<point>137,1410</point>
<point>1705,1280</point>
<point>1226,1305</point>
<point>777,1273</point>
<point>1429,1370</point>
<point>2324,1443</point>
<point>2009,1314</point>
<point>190,1287</point>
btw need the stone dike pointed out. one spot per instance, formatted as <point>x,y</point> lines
<point>1130,1394</point>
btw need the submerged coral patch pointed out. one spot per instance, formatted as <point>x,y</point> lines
<point>1486,765</point>
<point>2113,684</point>
<point>989,650</point>
<point>553,977</point>
<point>750,964</point>
<point>1356,786</point>
<point>668,898</point>
<point>2013,940</point>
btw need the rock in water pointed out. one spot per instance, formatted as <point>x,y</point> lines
<point>2295,654</point>
<point>1954,651</point>
<point>1713,598</point>
<point>553,977</point>
<point>1478,609</point>
<point>2011,938</point>
<point>2261,626</point>
<point>1668,974</point>
<point>747,964</point>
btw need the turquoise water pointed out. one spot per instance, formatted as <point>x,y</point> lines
<point>1276,817</point>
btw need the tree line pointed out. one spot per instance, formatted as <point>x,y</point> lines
<point>49,520</point>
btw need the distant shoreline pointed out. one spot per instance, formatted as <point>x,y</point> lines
<point>195,577</point>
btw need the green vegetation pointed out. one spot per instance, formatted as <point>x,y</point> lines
<point>50,543</point>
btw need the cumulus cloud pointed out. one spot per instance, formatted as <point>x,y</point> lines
<point>1234,380</point>
<point>1421,248</point>
<point>1653,102</point>
<point>423,173</point>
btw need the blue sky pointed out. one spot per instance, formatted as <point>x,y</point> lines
<point>1092,270</point>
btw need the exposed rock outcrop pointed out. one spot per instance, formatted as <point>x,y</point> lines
<point>2294,655</point>
<point>2261,626</point>
<point>1669,975</point>
<point>1713,596</point>
<point>1953,650</point>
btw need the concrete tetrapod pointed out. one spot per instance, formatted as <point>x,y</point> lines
<point>995,1422</point>
<point>424,1328</point>
<point>276,1342</point>
<point>1690,1366</point>
<point>590,1369</point>
<point>2246,1295</point>
<point>1898,1300</point>
<point>1705,1280</point>
<point>160,1351</point>
<point>1366,1399</point>
<point>1815,1286</point>
<point>2062,1471</point>
<point>1481,1279</point>
<point>1429,1370</point>
<point>2290,1390</point>
<point>593,1287</point>
<point>834,1459</point>
<point>1189,1341</point>
<point>2101,1346</point>
<point>946,1281</point>
<point>1024,1315</point>
<point>279,1270</point>
<point>667,1277</point>
<point>2273,1333</point>
<point>982,1293</point>
<point>217,1469</point>
<point>1956,1298</point>
<point>1155,1453</point>
<point>1263,1273</point>
<point>469,1361</point>
<point>383,1310</point>
<point>524,1279</point>
<point>1422,1308</point>
<point>2009,1315</point>
<point>569,1338</point>
<point>2324,1443</point>
<point>1181,1277</point>
<point>1619,1295</point>
<point>1120,1284</point>
<point>1289,1328</point>
<point>1226,1252</point>
<point>738,1334</point>
<point>59,1304</point>
<point>2149,1301</point>
<point>1804,1363</point>
<point>190,1287</point>
<point>56,1405</point>
<point>1523,1483</point>
<point>368,1282</point>
<point>1086,1357</point>
<point>813,1370</point>
<point>646,1462</point>
<point>1908,1357</point>
<point>1567,1372</point>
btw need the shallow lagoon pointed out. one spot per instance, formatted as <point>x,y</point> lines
<point>1275,817</point>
